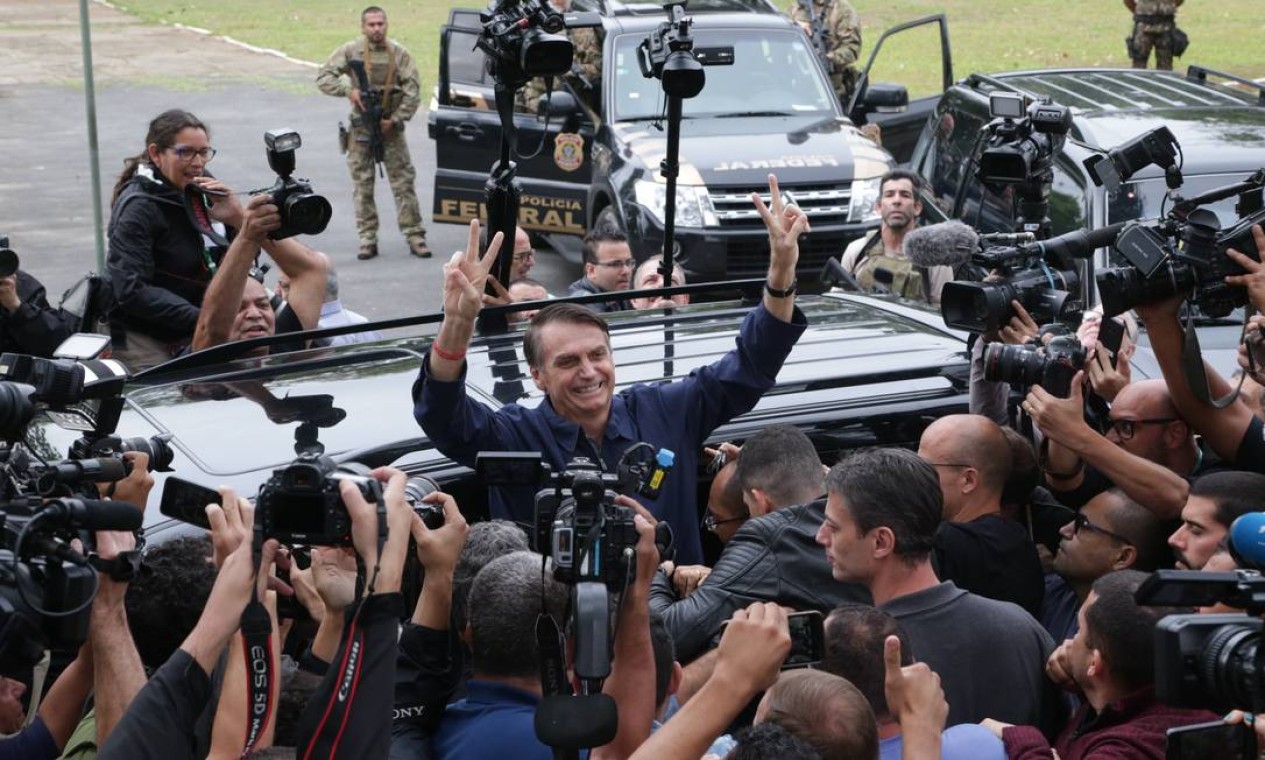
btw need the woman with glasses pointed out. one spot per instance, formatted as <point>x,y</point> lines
<point>170,224</point>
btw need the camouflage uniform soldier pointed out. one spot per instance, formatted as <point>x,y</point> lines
<point>1153,25</point>
<point>842,28</point>
<point>391,70</point>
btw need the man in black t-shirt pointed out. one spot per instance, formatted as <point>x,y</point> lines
<point>238,307</point>
<point>976,546</point>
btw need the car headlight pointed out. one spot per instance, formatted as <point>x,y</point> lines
<point>693,204</point>
<point>864,204</point>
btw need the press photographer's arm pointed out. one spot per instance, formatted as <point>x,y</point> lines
<point>1234,434</point>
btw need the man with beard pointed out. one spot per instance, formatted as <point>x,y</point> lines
<point>1216,501</point>
<point>884,249</point>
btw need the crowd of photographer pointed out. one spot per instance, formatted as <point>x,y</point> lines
<point>1006,590</point>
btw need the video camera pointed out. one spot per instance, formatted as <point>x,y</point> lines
<point>523,39</point>
<point>303,212</point>
<point>46,587</point>
<point>1184,253</point>
<point>1213,661</point>
<point>668,55</point>
<point>1022,139</point>
<point>1041,275</point>
<point>593,543</point>
<point>577,523</point>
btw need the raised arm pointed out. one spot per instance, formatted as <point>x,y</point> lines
<point>785,224</point>
<point>307,270</point>
<point>464,277</point>
<point>1222,429</point>
<point>1152,485</point>
<point>224,294</point>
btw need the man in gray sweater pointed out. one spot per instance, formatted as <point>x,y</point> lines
<point>883,507</point>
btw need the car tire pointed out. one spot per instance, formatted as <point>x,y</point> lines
<point>608,218</point>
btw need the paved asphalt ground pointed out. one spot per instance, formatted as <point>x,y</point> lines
<point>140,71</point>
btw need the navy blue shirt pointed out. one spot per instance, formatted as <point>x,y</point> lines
<point>31,743</point>
<point>493,721</point>
<point>678,416</point>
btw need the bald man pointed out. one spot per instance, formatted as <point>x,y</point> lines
<point>1149,452</point>
<point>977,547</point>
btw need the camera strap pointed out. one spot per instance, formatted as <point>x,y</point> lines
<point>1196,373</point>
<point>256,631</point>
<point>549,645</point>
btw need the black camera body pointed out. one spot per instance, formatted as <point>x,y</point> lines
<point>579,527</point>
<point>524,39</point>
<point>301,503</point>
<point>1209,661</point>
<point>1052,367</point>
<point>303,212</point>
<point>1022,139</point>
<point>1183,254</point>
<point>1048,294</point>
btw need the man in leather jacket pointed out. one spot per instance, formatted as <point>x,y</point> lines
<point>774,557</point>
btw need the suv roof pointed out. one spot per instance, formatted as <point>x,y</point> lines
<point>616,8</point>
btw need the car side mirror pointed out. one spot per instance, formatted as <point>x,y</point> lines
<point>560,103</point>
<point>885,98</point>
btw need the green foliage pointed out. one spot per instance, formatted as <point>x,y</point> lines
<point>987,35</point>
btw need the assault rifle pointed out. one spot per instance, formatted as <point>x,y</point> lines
<point>817,35</point>
<point>370,112</point>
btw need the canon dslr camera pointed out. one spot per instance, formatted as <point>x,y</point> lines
<point>1052,367</point>
<point>303,212</point>
<point>301,503</point>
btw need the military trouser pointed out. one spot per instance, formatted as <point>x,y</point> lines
<point>1147,36</point>
<point>401,175</point>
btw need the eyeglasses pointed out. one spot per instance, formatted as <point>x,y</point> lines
<point>186,153</point>
<point>1126,428</point>
<point>949,464</point>
<point>1081,522</point>
<point>710,523</point>
<point>621,264</point>
<point>524,255</point>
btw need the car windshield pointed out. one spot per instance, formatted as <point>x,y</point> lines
<point>773,73</point>
<point>1144,199</point>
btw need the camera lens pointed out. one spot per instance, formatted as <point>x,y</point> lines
<point>1016,365</point>
<point>16,410</point>
<point>8,262</point>
<point>307,213</point>
<point>156,448</point>
<point>417,487</point>
<point>1227,665</point>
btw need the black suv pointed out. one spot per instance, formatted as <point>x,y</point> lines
<point>771,110</point>
<point>868,371</point>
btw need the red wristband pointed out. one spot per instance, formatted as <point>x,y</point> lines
<point>442,354</point>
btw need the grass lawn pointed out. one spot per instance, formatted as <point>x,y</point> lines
<point>987,35</point>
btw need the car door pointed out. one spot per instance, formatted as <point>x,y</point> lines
<point>879,103</point>
<point>553,155</point>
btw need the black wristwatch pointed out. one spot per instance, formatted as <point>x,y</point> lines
<point>790,289</point>
<point>124,568</point>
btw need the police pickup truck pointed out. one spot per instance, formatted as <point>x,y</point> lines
<point>593,157</point>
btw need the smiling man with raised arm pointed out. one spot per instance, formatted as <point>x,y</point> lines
<point>568,351</point>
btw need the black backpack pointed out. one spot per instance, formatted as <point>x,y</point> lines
<point>89,301</point>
